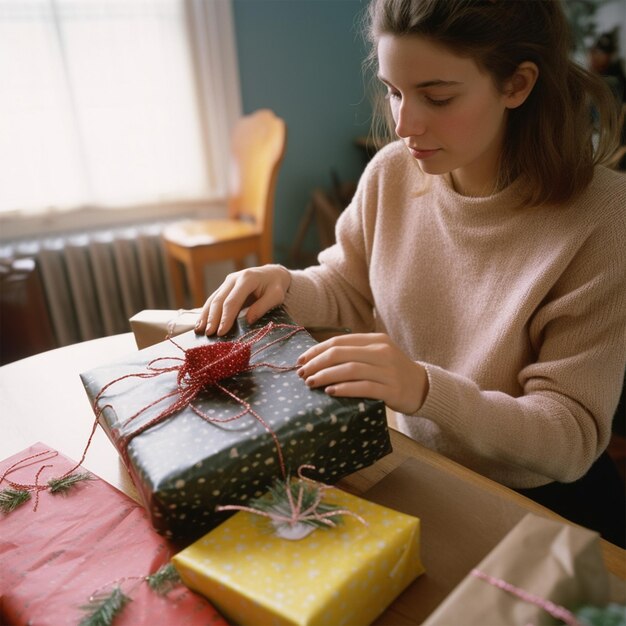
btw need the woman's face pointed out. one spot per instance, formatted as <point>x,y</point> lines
<point>448,112</point>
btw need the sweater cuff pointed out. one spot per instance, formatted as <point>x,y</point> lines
<point>441,403</point>
<point>300,294</point>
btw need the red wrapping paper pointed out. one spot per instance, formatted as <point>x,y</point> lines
<point>53,559</point>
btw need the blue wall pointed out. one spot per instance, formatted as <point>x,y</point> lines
<point>302,58</point>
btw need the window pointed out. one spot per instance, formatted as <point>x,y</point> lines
<point>114,103</point>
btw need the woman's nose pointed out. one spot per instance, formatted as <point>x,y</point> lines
<point>409,121</point>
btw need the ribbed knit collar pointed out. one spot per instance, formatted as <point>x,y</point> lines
<point>476,211</point>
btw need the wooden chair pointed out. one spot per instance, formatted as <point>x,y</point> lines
<point>258,146</point>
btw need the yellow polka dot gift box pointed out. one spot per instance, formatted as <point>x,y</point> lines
<point>348,573</point>
<point>203,421</point>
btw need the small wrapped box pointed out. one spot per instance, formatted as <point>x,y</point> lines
<point>540,561</point>
<point>85,542</point>
<point>214,450</point>
<point>152,326</point>
<point>347,574</point>
<point>155,325</point>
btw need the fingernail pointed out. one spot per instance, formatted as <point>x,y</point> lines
<point>330,391</point>
<point>310,381</point>
<point>300,360</point>
<point>300,372</point>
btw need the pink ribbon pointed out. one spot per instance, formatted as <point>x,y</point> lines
<point>297,514</point>
<point>556,610</point>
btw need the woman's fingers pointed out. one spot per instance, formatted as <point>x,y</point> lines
<point>334,343</point>
<point>211,314</point>
<point>359,389</point>
<point>272,296</point>
<point>366,348</point>
<point>365,365</point>
<point>345,372</point>
<point>263,287</point>
<point>225,311</point>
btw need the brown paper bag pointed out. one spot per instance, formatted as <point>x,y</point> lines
<point>152,326</point>
<point>554,561</point>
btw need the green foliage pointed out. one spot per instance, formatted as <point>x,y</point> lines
<point>611,615</point>
<point>102,609</point>
<point>163,579</point>
<point>64,484</point>
<point>10,499</point>
<point>276,502</point>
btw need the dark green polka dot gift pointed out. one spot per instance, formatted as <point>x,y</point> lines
<point>193,440</point>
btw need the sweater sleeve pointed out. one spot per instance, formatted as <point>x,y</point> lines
<point>337,292</point>
<point>561,422</point>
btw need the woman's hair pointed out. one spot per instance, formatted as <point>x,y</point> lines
<point>549,139</point>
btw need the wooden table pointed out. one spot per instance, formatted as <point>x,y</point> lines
<point>463,514</point>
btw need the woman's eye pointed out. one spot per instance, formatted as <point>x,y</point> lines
<point>439,102</point>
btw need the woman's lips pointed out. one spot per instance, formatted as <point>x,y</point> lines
<point>422,154</point>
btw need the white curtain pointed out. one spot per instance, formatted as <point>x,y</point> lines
<point>114,103</point>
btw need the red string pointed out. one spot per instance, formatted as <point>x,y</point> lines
<point>20,464</point>
<point>202,367</point>
<point>36,487</point>
<point>23,462</point>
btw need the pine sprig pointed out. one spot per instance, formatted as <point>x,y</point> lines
<point>163,579</point>
<point>611,615</point>
<point>10,499</point>
<point>276,502</point>
<point>102,609</point>
<point>65,483</point>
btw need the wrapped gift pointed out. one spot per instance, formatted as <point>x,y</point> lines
<point>347,573</point>
<point>152,326</point>
<point>88,541</point>
<point>155,325</point>
<point>542,565</point>
<point>234,438</point>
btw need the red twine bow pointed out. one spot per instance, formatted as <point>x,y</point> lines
<point>207,365</point>
<point>202,367</point>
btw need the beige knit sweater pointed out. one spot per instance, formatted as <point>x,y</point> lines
<point>518,315</point>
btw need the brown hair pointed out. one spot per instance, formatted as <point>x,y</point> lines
<point>549,138</point>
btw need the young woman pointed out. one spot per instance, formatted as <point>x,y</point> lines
<point>481,264</point>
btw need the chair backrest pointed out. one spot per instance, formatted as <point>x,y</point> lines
<point>258,147</point>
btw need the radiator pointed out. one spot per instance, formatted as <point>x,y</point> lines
<point>93,282</point>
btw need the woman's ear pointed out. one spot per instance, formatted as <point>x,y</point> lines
<point>519,86</point>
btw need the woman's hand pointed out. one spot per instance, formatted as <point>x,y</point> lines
<point>266,286</point>
<point>366,365</point>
